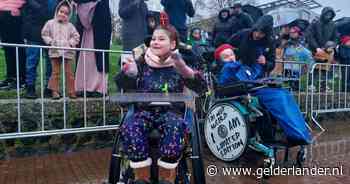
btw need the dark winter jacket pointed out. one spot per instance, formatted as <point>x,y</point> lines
<point>320,31</point>
<point>35,14</point>
<point>222,29</point>
<point>344,54</point>
<point>102,28</point>
<point>241,21</point>
<point>134,25</point>
<point>249,50</point>
<point>177,11</point>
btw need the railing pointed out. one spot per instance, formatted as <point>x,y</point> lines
<point>296,75</point>
<point>329,89</point>
<point>65,128</point>
<point>316,91</point>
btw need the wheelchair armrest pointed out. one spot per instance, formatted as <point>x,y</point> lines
<point>238,88</point>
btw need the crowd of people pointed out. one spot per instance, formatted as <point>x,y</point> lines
<point>70,24</point>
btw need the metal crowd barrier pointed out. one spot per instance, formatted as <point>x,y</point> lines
<point>318,88</point>
<point>330,89</point>
<point>19,133</point>
<point>296,75</point>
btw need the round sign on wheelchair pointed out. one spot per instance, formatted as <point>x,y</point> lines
<point>226,132</point>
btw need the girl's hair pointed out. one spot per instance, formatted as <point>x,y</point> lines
<point>171,32</point>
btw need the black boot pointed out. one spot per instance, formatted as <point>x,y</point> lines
<point>30,93</point>
<point>47,93</point>
<point>4,83</point>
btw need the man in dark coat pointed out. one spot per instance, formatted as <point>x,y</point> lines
<point>256,45</point>
<point>35,15</point>
<point>102,28</point>
<point>239,19</point>
<point>134,25</point>
<point>222,30</point>
<point>321,31</point>
<point>177,11</point>
<point>11,32</point>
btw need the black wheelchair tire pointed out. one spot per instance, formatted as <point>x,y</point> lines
<point>115,163</point>
<point>198,171</point>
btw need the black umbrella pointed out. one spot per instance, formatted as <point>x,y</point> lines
<point>253,11</point>
<point>301,23</point>
<point>343,26</point>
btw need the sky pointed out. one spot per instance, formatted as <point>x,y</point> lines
<point>343,6</point>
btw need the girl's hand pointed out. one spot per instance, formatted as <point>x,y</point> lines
<point>129,67</point>
<point>181,67</point>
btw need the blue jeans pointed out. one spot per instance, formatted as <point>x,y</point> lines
<point>33,57</point>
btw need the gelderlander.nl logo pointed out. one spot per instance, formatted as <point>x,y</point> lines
<point>213,170</point>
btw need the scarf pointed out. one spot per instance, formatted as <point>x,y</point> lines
<point>154,61</point>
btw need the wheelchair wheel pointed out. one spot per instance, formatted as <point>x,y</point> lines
<point>301,157</point>
<point>198,171</point>
<point>119,171</point>
<point>226,132</point>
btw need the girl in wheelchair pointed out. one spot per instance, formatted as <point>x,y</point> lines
<point>160,69</point>
<point>279,102</point>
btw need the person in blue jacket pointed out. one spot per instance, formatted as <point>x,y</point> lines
<point>178,11</point>
<point>279,102</point>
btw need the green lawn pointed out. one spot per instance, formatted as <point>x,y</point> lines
<point>113,64</point>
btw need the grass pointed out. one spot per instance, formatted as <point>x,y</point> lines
<point>113,66</point>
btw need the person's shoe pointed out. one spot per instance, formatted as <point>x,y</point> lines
<point>140,182</point>
<point>4,83</point>
<point>30,93</point>
<point>47,93</point>
<point>80,93</point>
<point>72,96</point>
<point>94,94</point>
<point>256,146</point>
<point>55,95</point>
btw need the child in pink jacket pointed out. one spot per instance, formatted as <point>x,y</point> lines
<point>60,32</point>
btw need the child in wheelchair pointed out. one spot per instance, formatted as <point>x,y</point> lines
<point>277,101</point>
<point>160,69</point>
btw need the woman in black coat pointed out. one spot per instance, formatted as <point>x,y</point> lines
<point>134,24</point>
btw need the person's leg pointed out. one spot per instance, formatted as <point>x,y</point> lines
<point>15,36</point>
<point>183,35</point>
<point>134,137</point>
<point>69,78</point>
<point>171,145</point>
<point>54,81</point>
<point>48,70</point>
<point>32,58</point>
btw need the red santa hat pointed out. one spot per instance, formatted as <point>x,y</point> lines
<point>220,49</point>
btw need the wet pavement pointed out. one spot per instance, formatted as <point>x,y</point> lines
<point>331,149</point>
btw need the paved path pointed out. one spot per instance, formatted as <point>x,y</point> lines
<point>331,149</point>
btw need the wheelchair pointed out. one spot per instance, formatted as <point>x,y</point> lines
<point>190,168</point>
<point>234,120</point>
